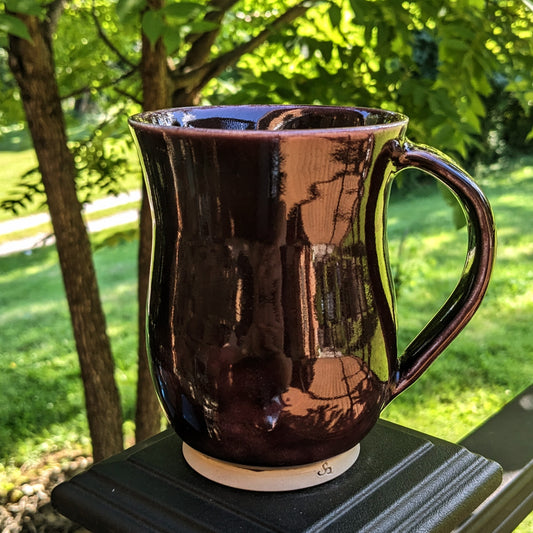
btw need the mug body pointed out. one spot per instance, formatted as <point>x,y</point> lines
<point>271,326</point>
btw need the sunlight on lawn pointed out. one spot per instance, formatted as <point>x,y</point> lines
<point>490,361</point>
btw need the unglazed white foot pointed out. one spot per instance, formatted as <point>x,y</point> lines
<point>270,479</point>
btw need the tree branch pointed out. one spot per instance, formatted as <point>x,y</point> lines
<point>107,41</point>
<point>53,11</point>
<point>84,90</point>
<point>194,80</point>
<point>199,52</point>
<point>132,97</point>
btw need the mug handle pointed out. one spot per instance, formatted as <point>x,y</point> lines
<point>467,295</point>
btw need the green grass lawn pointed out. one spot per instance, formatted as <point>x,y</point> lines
<point>492,359</point>
<point>41,405</point>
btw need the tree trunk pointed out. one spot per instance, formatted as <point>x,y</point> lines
<point>155,96</point>
<point>33,67</point>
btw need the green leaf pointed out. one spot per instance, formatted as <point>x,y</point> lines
<point>26,7</point>
<point>202,26</point>
<point>275,78</point>
<point>477,105</point>
<point>152,24</point>
<point>326,49</point>
<point>456,44</point>
<point>335,15</point>
<point>368,34</point>
<point>472,119</point>
<point>183,10</point>
<point>127,9</point>
<point>14,26</point>
<point>358,7</point>
<point>172,39</point>
<point>529,136</point>
<point>442,134</point>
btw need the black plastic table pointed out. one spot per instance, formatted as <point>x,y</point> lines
<point>403,481</point>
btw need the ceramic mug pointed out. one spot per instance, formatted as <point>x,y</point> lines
<point>271,315</point>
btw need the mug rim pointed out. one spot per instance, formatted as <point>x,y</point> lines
<point>142,120</point>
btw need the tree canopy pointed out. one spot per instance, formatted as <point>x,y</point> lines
<point>437,61</point>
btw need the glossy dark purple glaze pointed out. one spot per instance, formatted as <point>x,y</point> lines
<point>271,320</point>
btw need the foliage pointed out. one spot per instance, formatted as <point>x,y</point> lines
<point>432,60</point>
<point>437,61</point>
<point>10,24</point>
<point>17,163</point>
<point>174,22</point>
<point>505,126</point>
<point>101,163</point>
<point>89,75</point>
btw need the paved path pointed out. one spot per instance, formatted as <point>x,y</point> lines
<point>44,239</point>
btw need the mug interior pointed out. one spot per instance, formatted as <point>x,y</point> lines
<point>268,117</point>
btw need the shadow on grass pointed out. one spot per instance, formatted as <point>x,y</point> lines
<point>15,141</point>
<point>41,388</point>
<point>35,400</point>
<point>28,280</point>
<point>490,361</point>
